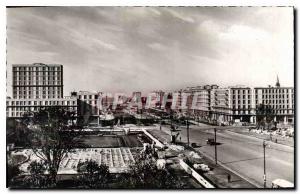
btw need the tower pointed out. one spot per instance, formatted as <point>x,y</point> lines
<point>277,82</point>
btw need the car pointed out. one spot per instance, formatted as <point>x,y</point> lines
<point>281,183</point>
<point>194,145</point>
<point>210,141</point>
<point>202,167</point>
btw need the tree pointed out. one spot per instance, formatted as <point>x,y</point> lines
<point>37,177</point>
<point>265,115</point>
<point>93,175</point>
<point>52,139</point>
<point>17,132</point>
<point>12,172</point>
<point>144,174</point>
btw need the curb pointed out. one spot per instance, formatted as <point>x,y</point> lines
<point>231,170</point>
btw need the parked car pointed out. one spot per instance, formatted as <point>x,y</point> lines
<point>281,183</point>
<point>194,145</point>
<point>202,167</point>
<point>210,141</point>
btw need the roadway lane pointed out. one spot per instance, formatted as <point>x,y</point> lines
<point>244,154</point>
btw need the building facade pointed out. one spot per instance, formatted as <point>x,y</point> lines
<point>220,107</point>
<point>240,103</point>
<point>37,81</point>
<point>36,86</point>
<point>15,108</point>
<point>281,100</point>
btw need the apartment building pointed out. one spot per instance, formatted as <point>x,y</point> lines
<point>36,86</point>
<point>281,100</point>
<point>38,81</point>
<point>220,107</point>
<point>240,103</point>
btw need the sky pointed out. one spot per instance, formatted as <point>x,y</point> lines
<point>125,49</point>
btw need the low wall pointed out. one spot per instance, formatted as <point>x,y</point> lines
<point>197,176</point>
<point>157,143</point>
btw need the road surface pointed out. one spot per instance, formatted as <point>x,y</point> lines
<point>244,154</point>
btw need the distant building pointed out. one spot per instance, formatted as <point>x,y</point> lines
<point>36,86</point>
<point>37,81</point>
<point>201,97</point>
<point>240,103</point>
<point>89,106</point>
<point>220,105</point>
<point>281,100</point>
<point>16,108</point>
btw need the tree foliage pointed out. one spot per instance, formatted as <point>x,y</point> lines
<point>37,177</point>
<point>144,174</point>
<point>12,172</point>
<point>93,175</point>
<point>265,115</point>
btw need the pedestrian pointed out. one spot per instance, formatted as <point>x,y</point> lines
<point>228,178</point>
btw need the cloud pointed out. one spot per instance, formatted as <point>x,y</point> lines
<point>157,46</point>
<point>180,16</point>
<point>149,48</point>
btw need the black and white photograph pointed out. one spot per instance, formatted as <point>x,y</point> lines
<point>150,97</point>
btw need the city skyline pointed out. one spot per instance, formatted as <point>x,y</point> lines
<point>122,49</point>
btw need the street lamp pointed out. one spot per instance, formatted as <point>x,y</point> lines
<point>188,131</point>
<point>216,153</point>
<point>265,178</point>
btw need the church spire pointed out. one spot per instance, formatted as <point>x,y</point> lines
<point>277,82</point>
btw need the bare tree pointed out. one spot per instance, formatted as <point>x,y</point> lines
<point>52,139</point>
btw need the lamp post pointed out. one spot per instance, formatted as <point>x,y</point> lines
<point>265,178</point>
<point>188,131</point>
<point>216,158</point>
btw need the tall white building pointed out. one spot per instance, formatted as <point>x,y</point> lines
<point>37,80</point>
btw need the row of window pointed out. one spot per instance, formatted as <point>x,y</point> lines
<point>38,88</point>
<point>36,78</point>
<point>275,96</point>
<point>241,91</point>
<point>88,97</point>
<point>40,103</point>
<point>274,91</point>
<point>47,68</point>
<point>20,114</point>
<point>239,101</point>
<point>36,97</point>
<point>36,92</point>
<point>37,83</point>
<point>34,108</point>
<point>274,101</point>
<point>239,96</point>
<point>36,73</point>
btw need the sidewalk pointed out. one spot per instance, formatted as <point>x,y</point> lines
<point>218,174</point>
